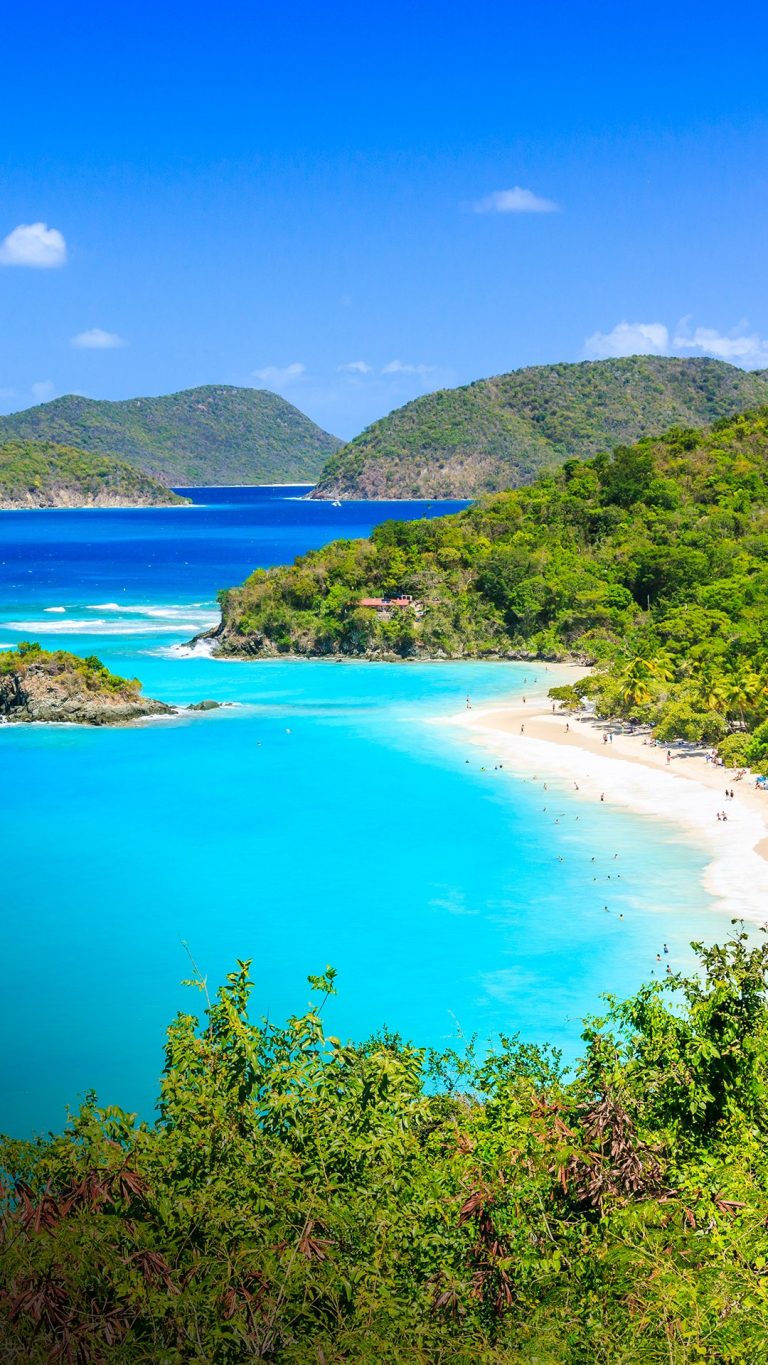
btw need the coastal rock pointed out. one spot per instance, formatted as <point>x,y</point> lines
<point>205,706</point>
<point>38,687</point>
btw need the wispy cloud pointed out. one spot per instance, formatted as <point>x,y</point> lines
<point>399,367</point>
<point>96,339</point>
<point>280,376</point>
<point>740,348</point>
<point>34,245</point>
<point>356,367</point>
<point>43,390</point>
<point>629,338</point>
<point>516,200</point>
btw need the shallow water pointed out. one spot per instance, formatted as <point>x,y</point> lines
<point>320,820</point>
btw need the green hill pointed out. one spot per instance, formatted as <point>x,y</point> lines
<point>216,434</point>
<point>652,562</point>
<point>499,433</point>
<point>43,474</point>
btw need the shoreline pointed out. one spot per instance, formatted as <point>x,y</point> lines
<point>686,792</point>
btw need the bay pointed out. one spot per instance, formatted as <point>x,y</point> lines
<point>322,819</point>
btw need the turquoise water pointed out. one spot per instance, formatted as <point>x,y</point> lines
<point>321,820</point>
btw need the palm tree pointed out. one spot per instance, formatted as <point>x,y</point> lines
<point>640,677</point>
<point>744,690</point>
<point>712,691</point>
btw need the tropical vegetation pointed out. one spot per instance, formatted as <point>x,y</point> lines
<point>300,1198</point>
<point>44,474</point>
<point>215,434</point>
<point>650,563</point>
<point>41,686</point>
<point>499,433</point>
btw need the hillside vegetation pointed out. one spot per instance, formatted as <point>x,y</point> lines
<point>216,434</point>
<point>53,686</point>
<point>43,474</point>
<point>499,433</point>
<point>651,561</point>
<point>302,1199</point>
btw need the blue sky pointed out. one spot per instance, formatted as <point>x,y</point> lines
<point>355,207</point>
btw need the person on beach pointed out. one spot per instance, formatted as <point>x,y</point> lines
<point>522,729</point>
<point>602,796</point>
<point>469,706</point>
<point>567,729</point>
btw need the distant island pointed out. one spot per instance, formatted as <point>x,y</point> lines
<point>500,433</point>
<point>39,474</point>
<point>216,434</point>
<point>37,685</point>
<point>651,563</point>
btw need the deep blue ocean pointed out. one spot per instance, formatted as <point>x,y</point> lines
<point>323,819</point>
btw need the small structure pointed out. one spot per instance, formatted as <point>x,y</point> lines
<point>386,605</point>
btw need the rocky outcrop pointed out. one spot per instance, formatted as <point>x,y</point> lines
<point>42,687</point>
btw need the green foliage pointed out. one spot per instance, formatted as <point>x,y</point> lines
<point>304,1199</point>
<point>734,750</point>
<point>567,696</point>
<point>213,434</point>
<point>757,747</point>
<point>499,433</point>
<point>44,474</point>
<point>651,563</point>
<point>90,674</point>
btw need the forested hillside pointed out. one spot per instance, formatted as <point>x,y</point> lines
<point>44,474</point>
<point>499,433</point>
<point>216,434</point>
<point>651,561</point>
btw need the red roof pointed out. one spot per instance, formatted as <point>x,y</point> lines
<point>385,602</point>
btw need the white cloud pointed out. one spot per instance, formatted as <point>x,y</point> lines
<point>745,349</point>
<point>398,367</point>
<point>739,346</point>
<point>35,245</point>
<point>277,377</point>
<point>516,200</point>
<point>96,339</point>
<point>356,367</point>
<point>43,390</point>
<point>629,338</point>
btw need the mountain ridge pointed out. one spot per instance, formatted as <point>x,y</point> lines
<point>500,432</point>
<point>211,434</point>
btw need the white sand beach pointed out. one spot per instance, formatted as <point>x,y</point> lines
<point>531,740</point>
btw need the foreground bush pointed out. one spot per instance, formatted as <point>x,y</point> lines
<point>300,1199</point>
